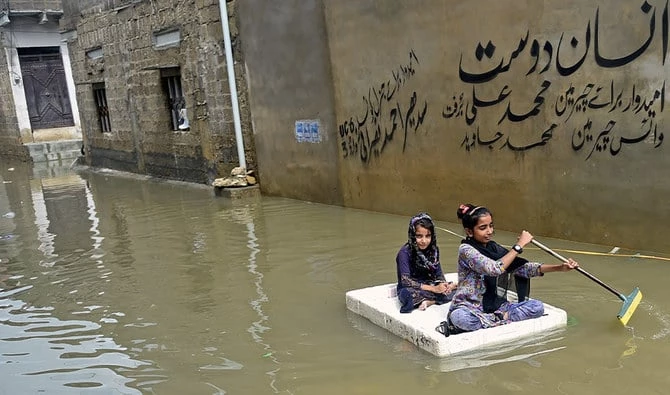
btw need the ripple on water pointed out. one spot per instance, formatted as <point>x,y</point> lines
<point>527,350</point>
<point>662,317</point>
<point>41,352</point>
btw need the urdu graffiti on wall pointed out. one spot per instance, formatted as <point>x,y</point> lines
<point>388,109</point>
<point>605,98</point>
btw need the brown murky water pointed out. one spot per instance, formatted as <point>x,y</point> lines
<point>120,285</point>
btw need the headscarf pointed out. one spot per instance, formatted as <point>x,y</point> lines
<point>429,259</point>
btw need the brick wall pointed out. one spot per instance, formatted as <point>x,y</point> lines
<point>141,138</point>
<point>10,141</point>
<point>35,4</point>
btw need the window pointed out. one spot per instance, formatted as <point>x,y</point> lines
<point>100,97</point>
<point>166,39</point>
<point>171,78</point>
<point>94,54</point>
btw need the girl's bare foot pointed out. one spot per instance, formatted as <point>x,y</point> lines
<point>425,304</point>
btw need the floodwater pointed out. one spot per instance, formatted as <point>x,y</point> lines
<point>121,285</point>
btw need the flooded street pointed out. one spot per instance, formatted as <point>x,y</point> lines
<point>119,285</point>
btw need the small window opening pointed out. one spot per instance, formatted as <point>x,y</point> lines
<point>100,96</point>
<point>176,104</point>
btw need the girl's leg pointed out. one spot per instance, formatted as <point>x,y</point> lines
<point>406,300</point>
<point>442,298</point>
<point>465,320</point>
<point>531,308</point>
<point>431,298</point>
<point>411,299</point>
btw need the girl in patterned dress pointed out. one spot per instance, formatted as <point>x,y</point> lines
<point>421,282</point>
<point>475,263</point>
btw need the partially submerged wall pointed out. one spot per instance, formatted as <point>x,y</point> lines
<point>291,96</point>
<point>124,47</point>
<point>550,113</point>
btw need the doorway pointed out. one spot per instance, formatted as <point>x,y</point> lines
<point>45,87</point>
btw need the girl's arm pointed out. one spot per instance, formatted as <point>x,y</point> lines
<point>402,264</point>
<point>480,263</point>
<point>564,267</point>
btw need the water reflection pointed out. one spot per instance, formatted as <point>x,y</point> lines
<point>243,214</point>
<point>45,354</point>
<point>522,350</point>
<point>40,351</point>
<point>42,222</point>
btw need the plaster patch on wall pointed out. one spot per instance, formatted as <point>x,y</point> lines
<point>307,131</point>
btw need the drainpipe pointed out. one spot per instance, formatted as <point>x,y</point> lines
<point>223,9</point>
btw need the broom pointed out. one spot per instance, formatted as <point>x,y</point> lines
<point>630,302</point>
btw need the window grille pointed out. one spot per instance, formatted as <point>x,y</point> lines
<point>175,97</point>
<point>100,96</point>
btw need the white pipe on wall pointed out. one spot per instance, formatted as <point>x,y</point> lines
<point>232,83</point>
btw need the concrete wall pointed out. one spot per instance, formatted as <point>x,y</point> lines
<point>286,53</point>
<point>142,139</point>
<point>550,113</point>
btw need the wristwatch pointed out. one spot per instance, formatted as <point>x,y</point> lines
<point>517,248</point>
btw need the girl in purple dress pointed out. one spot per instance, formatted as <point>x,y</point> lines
<point>421,282</point>
<point>480,257</point>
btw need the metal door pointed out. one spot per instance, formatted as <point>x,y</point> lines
<point>46,88</point>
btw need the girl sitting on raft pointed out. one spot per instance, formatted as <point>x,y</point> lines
<point>479,258</point>
<point>421,282</point>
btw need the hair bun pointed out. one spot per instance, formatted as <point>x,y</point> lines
<point>462,210</point>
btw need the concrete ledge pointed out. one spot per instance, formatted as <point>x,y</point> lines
<point>80,166</point>
<point>248,192</point>
<point>380,305</point>
<point>53,151</point>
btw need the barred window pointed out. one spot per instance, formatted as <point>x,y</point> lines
<point>100,96</point>
<point>171,78</point>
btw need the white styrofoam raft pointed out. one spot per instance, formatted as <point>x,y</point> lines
<point>380,305</point>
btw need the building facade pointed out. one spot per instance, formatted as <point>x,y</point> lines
<point>152,80</point>
<point>551,113</point>
<point>38,106</point>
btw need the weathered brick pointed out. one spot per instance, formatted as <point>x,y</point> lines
<point>130,69</point>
